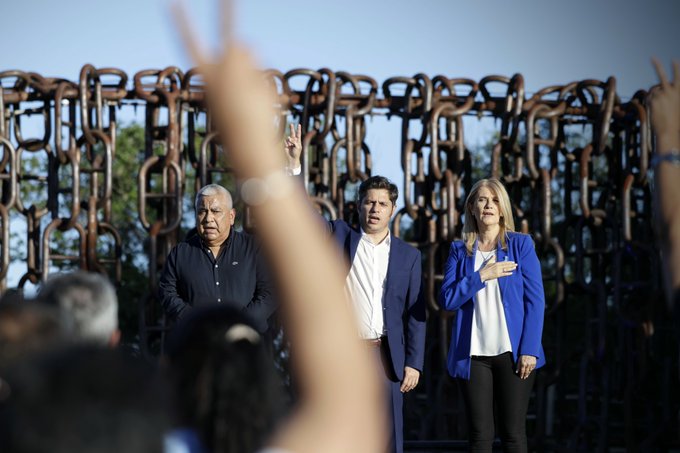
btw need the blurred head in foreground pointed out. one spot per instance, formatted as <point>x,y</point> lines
<point>226,385</point>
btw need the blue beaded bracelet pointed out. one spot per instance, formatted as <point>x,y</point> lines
<point>672,156</point>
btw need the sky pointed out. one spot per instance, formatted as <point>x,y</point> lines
<point>549,42</point>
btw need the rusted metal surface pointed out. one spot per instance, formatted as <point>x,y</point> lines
<point>574,158</point>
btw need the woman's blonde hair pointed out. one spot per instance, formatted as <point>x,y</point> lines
<point>507,223</point>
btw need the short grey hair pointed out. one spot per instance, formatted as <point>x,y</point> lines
<point>89,301</point>
<point>213,189</point>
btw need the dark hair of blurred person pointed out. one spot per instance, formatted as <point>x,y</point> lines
<point>226,387</point>
<point>83,399</point>
<point>26,327</point>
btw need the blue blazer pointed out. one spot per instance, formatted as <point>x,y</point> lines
<point>404,306</point>
<point>521,293</point>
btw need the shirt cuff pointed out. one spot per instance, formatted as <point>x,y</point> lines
<point>294,171</point>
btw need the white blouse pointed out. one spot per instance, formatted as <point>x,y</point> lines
<point>489,330</point>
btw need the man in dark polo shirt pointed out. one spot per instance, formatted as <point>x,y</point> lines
<point>217,265</point>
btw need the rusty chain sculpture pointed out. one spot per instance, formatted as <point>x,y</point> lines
<point>586,202</point>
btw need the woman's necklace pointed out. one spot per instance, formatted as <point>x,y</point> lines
<point>486,256</point>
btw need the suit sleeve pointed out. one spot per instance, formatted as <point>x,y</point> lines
<point>534,300</point>
<point>173,304</point>
<point>457,289</point>
<point>415,323</point>
<point>262,305</point>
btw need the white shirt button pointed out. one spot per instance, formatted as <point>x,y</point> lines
<point>216,265</point>
<point>217,283</point>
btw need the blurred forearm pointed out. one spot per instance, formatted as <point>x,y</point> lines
<point>667,177</point>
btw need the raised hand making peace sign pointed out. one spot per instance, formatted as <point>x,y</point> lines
<point>293,146</point>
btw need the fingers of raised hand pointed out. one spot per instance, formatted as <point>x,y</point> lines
<point>664,83</point>
<point>661,73</point>
<point>186,30</point>
<point>295,136</point>
<point>226,16</point>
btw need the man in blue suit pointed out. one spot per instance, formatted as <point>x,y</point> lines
<point>383,283</point>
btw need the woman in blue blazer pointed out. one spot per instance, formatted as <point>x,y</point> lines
<point>493,278</point>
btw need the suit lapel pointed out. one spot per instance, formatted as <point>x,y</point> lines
<point>391,266</point>
<point>354,238</point>
<point>470,260</point>
<point>392,258</point>
<point>501,255</point>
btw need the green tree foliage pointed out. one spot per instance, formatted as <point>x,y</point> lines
<point>134,286</point>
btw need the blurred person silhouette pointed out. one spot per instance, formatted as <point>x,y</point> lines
<point>27,327</point>
<point>89,303</point>
<point>665,118</point>
<point>493,279</point>
<point>83,399</point>
<point>226,388</point>
<point>340,407</point>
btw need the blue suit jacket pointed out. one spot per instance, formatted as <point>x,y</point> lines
<point>521,293</point>
<point>404,307</point>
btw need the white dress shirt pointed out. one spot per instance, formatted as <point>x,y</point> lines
<point>365,285</point>
<point>489,331</point>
